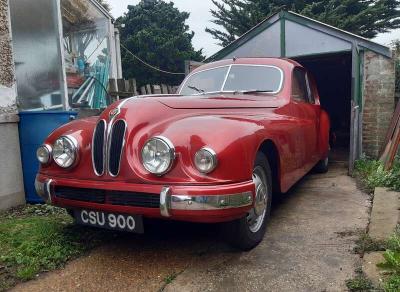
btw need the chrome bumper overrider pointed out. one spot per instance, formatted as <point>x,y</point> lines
<point>198,203</point>
<point>43,189</point>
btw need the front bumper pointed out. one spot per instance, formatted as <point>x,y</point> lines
<point>216,203</point>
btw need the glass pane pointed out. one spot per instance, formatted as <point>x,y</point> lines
<point>243,78</point>
<point>86,52</point>
<point>37,54</point>
<point>301,40</point>
<point>265,44</point>
<point>205,81</point>
<point>299,86</point>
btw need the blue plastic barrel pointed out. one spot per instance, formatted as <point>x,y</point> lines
<point>34,127</point>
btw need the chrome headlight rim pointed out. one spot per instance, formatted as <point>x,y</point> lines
<point>49,150</point>
<point>213,156</point>
<point>171,150</point>
<point>75,149</point>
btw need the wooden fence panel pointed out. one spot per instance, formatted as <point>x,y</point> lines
<point>121,88</point>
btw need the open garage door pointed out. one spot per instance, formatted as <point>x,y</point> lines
<point>332,73</point>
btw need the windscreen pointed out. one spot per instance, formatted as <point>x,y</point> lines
<point>234,78</point>
<point>247,78</point>
<point>205,81</point>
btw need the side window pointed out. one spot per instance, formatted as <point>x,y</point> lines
<point>300,88</point>
<point>310,89</point>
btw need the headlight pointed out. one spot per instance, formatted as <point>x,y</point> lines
<point>43,154</point>
<point>158,154</point>
<point>205,160</point>
<point>65,151</point>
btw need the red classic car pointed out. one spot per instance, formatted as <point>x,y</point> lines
<point>238,131</point>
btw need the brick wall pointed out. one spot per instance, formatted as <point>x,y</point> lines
<point>378,101</point>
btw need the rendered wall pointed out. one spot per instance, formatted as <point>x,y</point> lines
<point>378,101</point>
<point>11,185</point>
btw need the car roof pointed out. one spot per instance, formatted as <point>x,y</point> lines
<point>283,63</point>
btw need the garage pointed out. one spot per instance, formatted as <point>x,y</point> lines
<point>355,76</point>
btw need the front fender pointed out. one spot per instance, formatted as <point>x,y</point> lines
<point>235,140</point>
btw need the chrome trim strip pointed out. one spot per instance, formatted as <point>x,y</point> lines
<point>104,152</point>
<point>226,78</point>
<point>122,147</point>
<point>211,202</point>
<point>165,201</point>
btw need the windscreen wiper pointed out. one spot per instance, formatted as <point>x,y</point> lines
<point>255,91</point>
<point>196,89</point>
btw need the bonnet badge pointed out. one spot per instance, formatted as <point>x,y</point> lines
<point>113,113</point>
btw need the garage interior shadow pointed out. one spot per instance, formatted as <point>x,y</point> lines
<point>332,73</point>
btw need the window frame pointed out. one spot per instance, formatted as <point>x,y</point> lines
<point>309,98</point>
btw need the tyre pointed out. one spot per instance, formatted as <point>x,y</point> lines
<point>247,232</point>
<point>322,166</point>
<point>70,213</point>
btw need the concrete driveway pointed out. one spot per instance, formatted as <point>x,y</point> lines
<point>308,247</point>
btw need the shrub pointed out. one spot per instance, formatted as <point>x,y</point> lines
<point>392,263</point>
<point>372,174</point>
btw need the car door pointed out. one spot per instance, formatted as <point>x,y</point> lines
<point>307,112</point>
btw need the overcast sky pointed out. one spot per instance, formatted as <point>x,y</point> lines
<point>200,17</point>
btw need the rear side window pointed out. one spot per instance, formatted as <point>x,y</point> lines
<point>311,93</point>
<point>300,90</point>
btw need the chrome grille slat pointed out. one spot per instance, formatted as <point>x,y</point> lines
<point>107,147</point>
<point>98,148</point>
<point>116,144</point>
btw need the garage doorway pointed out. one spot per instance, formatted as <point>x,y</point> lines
<point>332,73</point>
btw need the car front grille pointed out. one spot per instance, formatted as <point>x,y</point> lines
<point>108,147</point>
<point>98,147</point>
<point>121,198</point>
<point>78,194</point>
<point>116,145</point>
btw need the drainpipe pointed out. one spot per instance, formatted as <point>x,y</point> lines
<point>118,53</point>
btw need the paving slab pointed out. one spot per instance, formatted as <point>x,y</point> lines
<point>370,269</point>
<point>308,247</point>
<point>384,214</point>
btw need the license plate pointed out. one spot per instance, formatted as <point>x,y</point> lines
<point>123,222</point>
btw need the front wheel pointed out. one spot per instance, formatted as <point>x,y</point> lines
<point>247,232</point>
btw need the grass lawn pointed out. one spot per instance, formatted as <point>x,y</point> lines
<point>39,238</point>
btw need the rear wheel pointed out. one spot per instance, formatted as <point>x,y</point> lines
<point>322,166</point>
<point>248,232</point>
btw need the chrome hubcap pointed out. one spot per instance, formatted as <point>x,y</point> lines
<point>255,217</point>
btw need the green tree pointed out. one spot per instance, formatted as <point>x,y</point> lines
<point>156,32</point>
<point>366,18</point>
